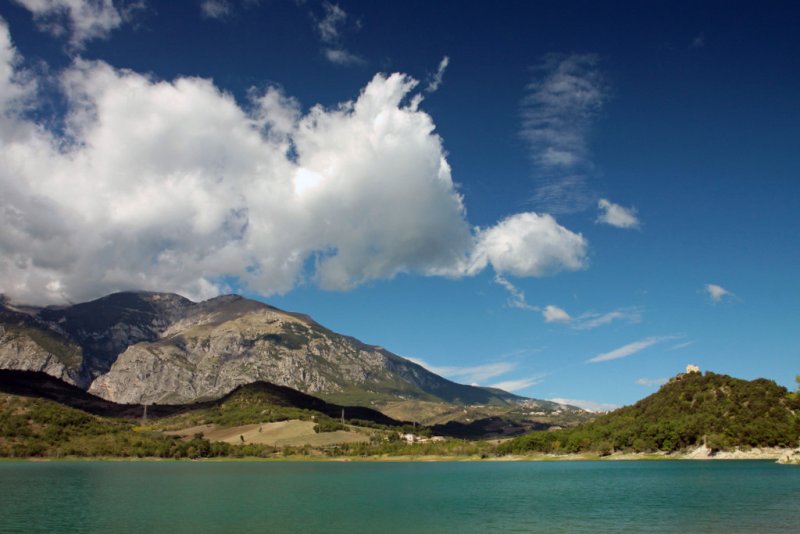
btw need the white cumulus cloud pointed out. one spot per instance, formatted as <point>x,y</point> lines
<point>529,244</point>
<point>176,186</point>
<point>616,215</point>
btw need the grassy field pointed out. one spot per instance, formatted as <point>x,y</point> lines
<point>292,433</point>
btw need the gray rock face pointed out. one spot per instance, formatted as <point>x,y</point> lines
<point>107,326</point>
<point>19,351</point>
<point>27,345</point>
<point>207,355</point>
<point>163,348</point>
<point>23,354</point>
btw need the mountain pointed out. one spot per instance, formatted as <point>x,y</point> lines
<point>141,347</point>
<point>692,409</point>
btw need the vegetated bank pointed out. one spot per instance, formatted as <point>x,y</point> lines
<point>693,409</point>
<point>42,417</point>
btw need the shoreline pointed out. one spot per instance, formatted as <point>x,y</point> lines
<point>700,454</point>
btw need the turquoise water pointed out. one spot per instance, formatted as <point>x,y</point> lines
<point>399,497</point>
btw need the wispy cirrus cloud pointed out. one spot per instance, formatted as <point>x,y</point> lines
<point>588,405</point>
<point>616,215</point>
<point>518,384</point>
<point>331,27</point>
<point>216,9</point>
<point>516,297</point>
<point>629,349</point>
<point>651,382</point>
<point>436,79</point>
<point>592,320</point>
<point>555,314</point>
<point>81,20</point>
<point>471,375</point>
<point>224,9</point>
<point>561,102</point>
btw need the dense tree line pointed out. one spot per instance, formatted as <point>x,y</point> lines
<point>718,410</point>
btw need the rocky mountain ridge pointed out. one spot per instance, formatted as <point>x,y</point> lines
<point>141,347</point>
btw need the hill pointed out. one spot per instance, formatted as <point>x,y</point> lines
<point>39,427</point>
<point>242,404</point>
<point>141,347</point>
<point>43,416</point>
<point>721,411</point>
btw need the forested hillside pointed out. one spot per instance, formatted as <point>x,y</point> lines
<point>692,409</point>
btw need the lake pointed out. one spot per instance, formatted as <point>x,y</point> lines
<point>657,496</point>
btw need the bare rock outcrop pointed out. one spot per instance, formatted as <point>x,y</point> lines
<point>20,351</point>
<point>143,347</point>
<point>790,457</point>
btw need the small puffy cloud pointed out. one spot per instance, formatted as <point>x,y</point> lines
<point>629,349</point>
<point>588,405</point>
<point>80,20</point>
<point>651,382</point>
<point>175,186</point>
<point>718,293</point>
<point>438,76</point>
<point>517,384</point>
<point>215,9</point>
<point>699,41</point>
<point>616,215</point>
<point>529,244</point>
<point>554,314</point>
<point>340,56</point>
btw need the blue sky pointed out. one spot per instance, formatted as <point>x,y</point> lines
<point>573,201</point>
